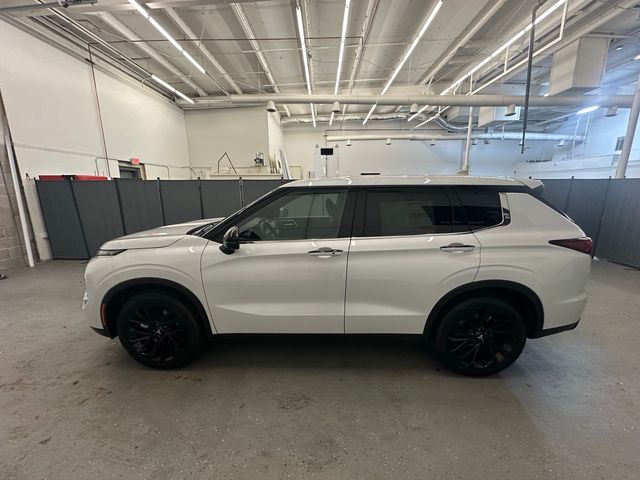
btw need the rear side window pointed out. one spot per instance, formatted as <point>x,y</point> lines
<point>407,211</point>
<point>482,207</point>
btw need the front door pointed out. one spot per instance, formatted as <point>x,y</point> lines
<point>289,274</point>
<point>408,250</point>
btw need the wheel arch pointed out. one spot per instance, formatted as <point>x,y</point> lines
<point>520,297</point>
<point>114,299</point>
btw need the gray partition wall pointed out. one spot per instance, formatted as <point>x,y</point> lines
<point>219,197</point>
<point>180,200</point>
<point>140,204</point>
<point>99,212</point>
<point>620,229</point>
<point>61,220</point>
<point>82,215</point>
<point>606,209</point>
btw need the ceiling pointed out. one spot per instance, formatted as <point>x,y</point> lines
<point>253,47</point>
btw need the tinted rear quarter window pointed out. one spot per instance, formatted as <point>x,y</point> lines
<point>482,207</point>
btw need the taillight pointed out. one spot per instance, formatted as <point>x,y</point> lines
<point>582,245</point>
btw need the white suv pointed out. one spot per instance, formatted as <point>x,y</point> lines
<point>475,265</point>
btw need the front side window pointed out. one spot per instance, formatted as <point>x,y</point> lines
<point>297,215</point>
<point>407,211</point>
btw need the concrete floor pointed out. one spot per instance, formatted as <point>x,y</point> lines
<point>73,405</point>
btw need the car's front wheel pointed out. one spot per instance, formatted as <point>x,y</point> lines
<point>480,336</point>
<point>159,330</point>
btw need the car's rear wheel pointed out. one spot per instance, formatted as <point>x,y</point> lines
<point>159,330</point>
<point>480,336</point>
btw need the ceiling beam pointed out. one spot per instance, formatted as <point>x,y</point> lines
<point>186,30</point>
<point>123,6</point>
<point>463,39</point>
<point>251,37</point>
<point>117,25</point>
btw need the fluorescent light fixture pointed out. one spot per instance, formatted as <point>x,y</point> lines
<point>140,8</point>
<point>192,60</point>
<point>171,89</point>
<point>331,118</point>
<point>165,34</point>
<point>303,45</point>
<point>163,83</point>
<point>184,97</point>
<point>592,108</point>
<point>305,59</point>
<point>366,119</point>
<point>343,35</point>
<point>637,57</point>
<point>479,66</point>
<point>507,44</point>
<point>413,45</point>
<point>418,112</point>
<point>313,113</point>
<point>548,12</point>
<point>426,121</point>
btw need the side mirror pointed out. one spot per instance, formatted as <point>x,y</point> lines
<point>230,241</point>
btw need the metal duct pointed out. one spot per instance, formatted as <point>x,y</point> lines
<point>425,137</point>
<point>349,117</point>
<point>449,126</point>
<point>622,101</point>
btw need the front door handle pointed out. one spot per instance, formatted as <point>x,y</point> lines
<point>325,252</point>
<point>457,248</point>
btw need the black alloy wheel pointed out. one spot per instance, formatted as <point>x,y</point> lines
<point>159,330</point>
<point>480,336</point>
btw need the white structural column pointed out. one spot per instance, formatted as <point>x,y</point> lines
<point>467,146</point>
<point>116,24</point>
<point>621,170</point>
<point>173,15</point>
<point>248,32</point>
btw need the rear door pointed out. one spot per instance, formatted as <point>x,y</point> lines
<point>410,246</point>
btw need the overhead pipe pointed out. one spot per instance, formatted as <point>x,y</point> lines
<point>527,91</point>
<point>421,137</point>
<point>347,117</point>
<point>622,101</point>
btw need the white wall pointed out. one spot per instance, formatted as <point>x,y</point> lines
<point>53,115</point>
<point>52,112</point>
<point>241,132</point>
<point>596,157</point>
<point>407,157</point>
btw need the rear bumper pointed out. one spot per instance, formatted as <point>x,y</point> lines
<point>553,331</point>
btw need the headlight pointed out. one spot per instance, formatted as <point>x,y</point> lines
<point>108,253</point>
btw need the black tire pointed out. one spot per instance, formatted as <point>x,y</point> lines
<point>480,336</point>
<point>159,330</point>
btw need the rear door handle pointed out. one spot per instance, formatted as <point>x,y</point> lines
<point>325,252</point>
<point>457,248</point>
